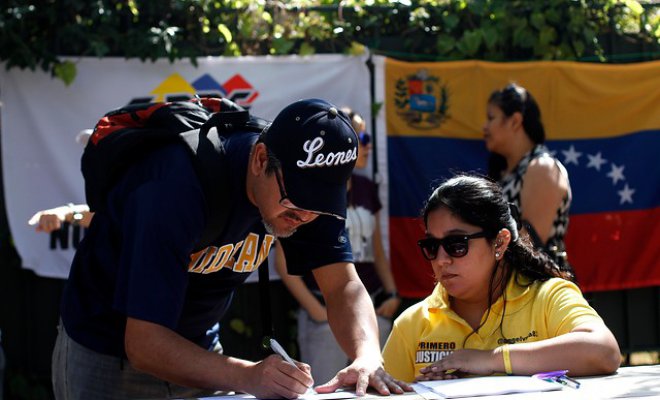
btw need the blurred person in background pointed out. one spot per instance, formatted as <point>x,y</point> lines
<point>529,175</point>
<point>53,219</point>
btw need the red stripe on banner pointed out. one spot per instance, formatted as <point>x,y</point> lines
<point>412,272</point>
<point>609,251</point>
<point>615,250</point>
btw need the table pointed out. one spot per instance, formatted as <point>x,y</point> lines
<point>627,382</point>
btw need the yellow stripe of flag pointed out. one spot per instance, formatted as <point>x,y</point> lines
<point>577,100</point>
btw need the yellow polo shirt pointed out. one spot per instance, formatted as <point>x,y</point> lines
<point>431,330</point>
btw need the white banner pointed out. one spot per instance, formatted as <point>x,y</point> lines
<point>41,116</point>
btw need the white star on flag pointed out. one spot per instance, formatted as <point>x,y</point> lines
<point>616,174</point>
<point>596,161</point>
<point>571,156</point>
<point>626,194</point>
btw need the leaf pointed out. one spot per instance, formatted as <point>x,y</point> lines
<point>449,21</point>
<point>470,42</point>
<point>579,47</point>
<point>634,6</point>
<point>477,7</point>
<point>523,36</point>
<point>552,16</point>
<point>225,32</point>
<point>356,49</point>
<point>66,71</point>
<point>281,45</point>
<point>537,20</point>
<point>306,49</point>
<point>490,36</point>
<point>445,44</point>
<point>547,35</point>
<point>375,108</point>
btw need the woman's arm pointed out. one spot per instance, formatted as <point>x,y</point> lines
<point>576,340</point>
<point>589,349</point>
<point>545,186</point>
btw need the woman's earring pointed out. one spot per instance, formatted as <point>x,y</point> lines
<point>497,254</point>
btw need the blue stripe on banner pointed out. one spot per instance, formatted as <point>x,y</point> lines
<point>417,164</point>
<point>620,173</point>
<point>609,174</point>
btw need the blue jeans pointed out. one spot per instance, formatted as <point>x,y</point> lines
<point>80,373</point>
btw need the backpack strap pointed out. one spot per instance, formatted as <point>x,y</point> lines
<point>211,167</point>
<point>264,304</point>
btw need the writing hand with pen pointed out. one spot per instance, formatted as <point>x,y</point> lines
<point>278,375</point>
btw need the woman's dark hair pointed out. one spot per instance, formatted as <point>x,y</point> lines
<point>511,99</point>
<point>479,201</point>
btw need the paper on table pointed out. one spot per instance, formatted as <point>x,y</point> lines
<point>310,395</point>
<point>490,385</point>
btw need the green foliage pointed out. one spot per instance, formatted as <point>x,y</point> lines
<point>38,34</point>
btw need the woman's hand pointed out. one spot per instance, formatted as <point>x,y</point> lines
<point>465,361</point>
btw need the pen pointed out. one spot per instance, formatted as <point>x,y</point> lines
<point>568,381</point>
<point>559,377</point>
<point>278,349</point>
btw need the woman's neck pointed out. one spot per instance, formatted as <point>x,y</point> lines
<point>517,151</point>
<point>472,311</point>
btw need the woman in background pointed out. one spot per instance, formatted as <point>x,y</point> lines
<point>530,177</point>
<point>498,305</point>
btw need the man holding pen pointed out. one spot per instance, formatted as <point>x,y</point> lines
<point>140,302</point>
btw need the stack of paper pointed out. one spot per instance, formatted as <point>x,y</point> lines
<point>485,386</point>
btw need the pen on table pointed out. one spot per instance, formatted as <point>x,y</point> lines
<point>559,377</point>
<point>568,381</point>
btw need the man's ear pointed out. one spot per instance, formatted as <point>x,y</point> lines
<point>258,159</point>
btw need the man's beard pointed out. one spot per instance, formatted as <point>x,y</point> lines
<point>271,230</point>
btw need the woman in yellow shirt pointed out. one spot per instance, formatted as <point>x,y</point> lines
<point>498,305</point>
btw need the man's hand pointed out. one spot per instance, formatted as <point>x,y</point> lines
<point>362,373</point>
<point>465,361</point>
<point>273,377</point>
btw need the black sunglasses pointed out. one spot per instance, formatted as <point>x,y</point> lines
<point>365,138</point>
<point>455,245</point>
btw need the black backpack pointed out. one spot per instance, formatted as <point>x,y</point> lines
<point>126,135</point>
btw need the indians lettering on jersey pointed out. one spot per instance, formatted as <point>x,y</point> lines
<point>250,256</point>
<point>430,352</point>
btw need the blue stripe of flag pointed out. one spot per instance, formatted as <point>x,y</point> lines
<point>607,174</point>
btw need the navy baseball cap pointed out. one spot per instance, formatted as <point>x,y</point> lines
<point>317,148</point>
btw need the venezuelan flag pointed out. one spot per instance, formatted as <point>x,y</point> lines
<point>602,122</point>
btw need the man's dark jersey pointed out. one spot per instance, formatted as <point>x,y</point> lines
<point>138,260</point>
